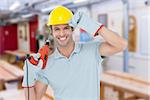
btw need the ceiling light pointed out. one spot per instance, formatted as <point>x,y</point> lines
<point>79,1</point>
<point>27,15</point>
<point>48,9</point>
<point>14,6</point>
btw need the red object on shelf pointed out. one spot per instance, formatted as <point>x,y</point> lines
<point>8,38</point>
<point>33,26</point>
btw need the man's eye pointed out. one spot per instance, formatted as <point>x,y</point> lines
<point>66,28</point>
<point>56,29</point>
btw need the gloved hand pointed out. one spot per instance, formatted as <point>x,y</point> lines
<point>86,23</point>
<point>30,72</point>
<point>42,54</point>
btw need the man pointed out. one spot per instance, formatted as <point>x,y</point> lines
<point>73,70</point>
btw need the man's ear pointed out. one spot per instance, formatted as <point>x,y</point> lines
<point>51,31</point>
<point>72,28</point>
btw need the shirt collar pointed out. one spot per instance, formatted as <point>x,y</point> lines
<point>76,50</point>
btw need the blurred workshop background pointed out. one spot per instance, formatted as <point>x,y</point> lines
<point>23,30</point>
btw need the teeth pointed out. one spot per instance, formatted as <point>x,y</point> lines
<point>62,38</point>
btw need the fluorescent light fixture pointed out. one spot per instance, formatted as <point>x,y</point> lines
<point>48,9</point>
<point>79,1</point>
<point>14,20</point>
<point>14,6</point>
<point>27,15</point>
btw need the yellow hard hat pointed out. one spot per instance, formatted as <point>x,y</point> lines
<point>60,15</point>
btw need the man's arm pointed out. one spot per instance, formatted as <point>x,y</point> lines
<point>30,93</point>
<point>36,92</point>
<point>40,90</point>
<point>113,42</point>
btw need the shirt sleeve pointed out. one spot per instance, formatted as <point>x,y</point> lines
<point>41,76</point>
<point>98,55</point>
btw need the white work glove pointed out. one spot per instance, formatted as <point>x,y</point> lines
<point>84,22</point>
<point>30,72</point>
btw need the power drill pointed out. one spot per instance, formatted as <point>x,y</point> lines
<point>42,54</point>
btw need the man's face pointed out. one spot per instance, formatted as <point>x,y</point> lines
<point>62,34</point>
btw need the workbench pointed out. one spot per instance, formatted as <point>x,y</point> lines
<point>18,95</point>
<point>125,83</point>
<point>17,53</point>
<point>9,73</point>
<point>16,57</point>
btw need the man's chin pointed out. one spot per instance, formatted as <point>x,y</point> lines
<point>62,44</point>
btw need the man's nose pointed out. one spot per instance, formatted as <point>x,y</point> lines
<point>62,33</point>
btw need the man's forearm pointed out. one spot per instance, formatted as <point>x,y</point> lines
<point>30,93</point>
<point>112,38</point>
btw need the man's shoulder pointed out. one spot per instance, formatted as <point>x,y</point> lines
<point>89,44</point>
<point>51,56</point>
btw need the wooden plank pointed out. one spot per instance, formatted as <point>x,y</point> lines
<point>14,70</point>
<point>125,83</point>
<point>2,85</point>
<point>9,72</point>
<point>121,95</point>
<point>102,91</point>
<point>20,54</point>
<point>6,76</point>
<point>126,86</point>
<point>128,76</point>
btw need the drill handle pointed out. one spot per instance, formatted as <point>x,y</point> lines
<point>33,58</point>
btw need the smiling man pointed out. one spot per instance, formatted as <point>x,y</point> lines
<point>73,70</point>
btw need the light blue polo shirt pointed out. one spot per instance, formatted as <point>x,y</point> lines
<point>76,77</point>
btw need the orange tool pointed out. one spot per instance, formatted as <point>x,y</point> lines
<point>43,55</point>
